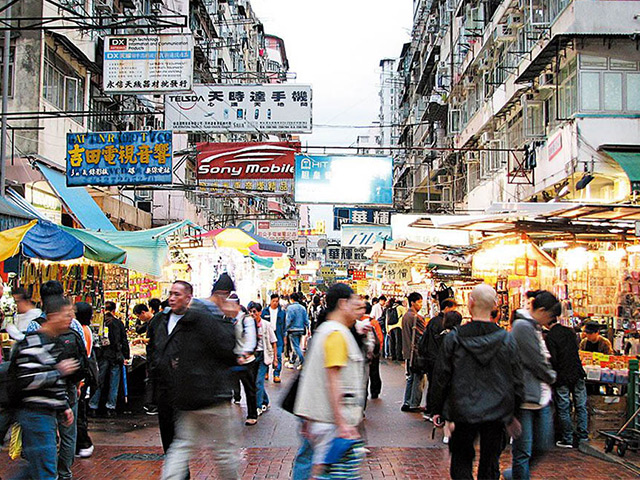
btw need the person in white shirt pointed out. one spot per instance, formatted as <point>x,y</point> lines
<point>27,312</point>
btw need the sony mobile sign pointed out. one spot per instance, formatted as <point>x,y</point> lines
<point>266,167</point>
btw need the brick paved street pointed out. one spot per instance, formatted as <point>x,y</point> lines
<point>401,447</point>
<point>382,463</point>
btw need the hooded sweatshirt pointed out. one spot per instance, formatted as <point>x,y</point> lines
<point>477,377</point>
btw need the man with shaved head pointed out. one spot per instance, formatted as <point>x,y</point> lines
<point>478,387</point>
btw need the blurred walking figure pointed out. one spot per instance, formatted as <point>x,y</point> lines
<point>331,393</point>
<point>203,389</point>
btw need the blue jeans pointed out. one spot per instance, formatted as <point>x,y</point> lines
<point>39,444</point>
<point>536,439</point>
<point>68,437</point>
<point>414,388</point>
<point>295,342</point>
<point>563,396</point>
<point>115,371</point>
<point>280,348</point>
<point>303,463</point>
<point>262,398</point>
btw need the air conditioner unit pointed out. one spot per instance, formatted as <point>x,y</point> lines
<point>486,137</point>
<point>515,20</point>
<point>104,6</point>
<point>503,33</point>
<point>447,196</point>
<point>444,179</point>
<point>546,80</point>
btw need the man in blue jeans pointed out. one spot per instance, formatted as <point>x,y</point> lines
<point>276,315</point>
<point>562,343</point>
<point>297,325</point>
<point>42,389</point>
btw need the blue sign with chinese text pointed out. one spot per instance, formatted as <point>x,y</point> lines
<point>119,158</point>
<point>350,215</point>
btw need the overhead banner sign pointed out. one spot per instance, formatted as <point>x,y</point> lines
<point>276,230</point>
<point>241,108</point>
<point>349,216</point>
<point>346,179</point>
<point>119,158</point>
<point>148,63</point>
<point>364,235</point>
<point>247,166</point>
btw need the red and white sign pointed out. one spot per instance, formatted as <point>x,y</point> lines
<point>246,161</point>
<point>554,146</point>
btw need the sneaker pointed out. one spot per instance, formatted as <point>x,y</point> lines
<point>85,452</point>
<point>152,410</point>
<point>276,380</point>
<point>289,365</point>
<point>299,367</point>
<point>260,411</point>
<point>236,401</point>
<point>445,440</point>
<point>562,444</point>
<point>405,408</point>
<point>265,408</point>
<point>251,421</point>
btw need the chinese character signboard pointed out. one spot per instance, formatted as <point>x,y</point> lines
<point>148,63</point>
<point>241,108</point>
<point>346,179</point>
<point>349,216</point>
<point>364,235</point>
<point>119,158</point>
<point>264,167</point>
<point>397,272</point>
<point>276,230</point>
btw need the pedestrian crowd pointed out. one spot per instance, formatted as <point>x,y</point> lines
<point>481,381</point>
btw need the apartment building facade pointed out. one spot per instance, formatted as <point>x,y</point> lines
<point>523,100</point>
<point>56,88</point>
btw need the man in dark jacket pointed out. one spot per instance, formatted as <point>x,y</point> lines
<point>477,384</point>
<point>565,360</point>
<point>431,346</point>
<point>279,322</point>
<point>162,354</point>
<point>113,353</point>
<point>203,389</point>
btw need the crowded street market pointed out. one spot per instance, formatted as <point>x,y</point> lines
<point>257,239</point>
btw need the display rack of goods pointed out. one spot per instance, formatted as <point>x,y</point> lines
<point>83,282</point>
<point>116,278</point>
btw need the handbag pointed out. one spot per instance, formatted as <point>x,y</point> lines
<point>289,401</point>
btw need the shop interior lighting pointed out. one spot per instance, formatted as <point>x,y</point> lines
<point>446,271</point>
<point>633,248</point>
<point>554,245</point>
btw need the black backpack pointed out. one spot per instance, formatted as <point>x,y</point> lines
<point>392,316</point>
<point>8,383</point>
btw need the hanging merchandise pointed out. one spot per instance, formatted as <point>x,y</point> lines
<point>442,293</point>
<point>82,282</point>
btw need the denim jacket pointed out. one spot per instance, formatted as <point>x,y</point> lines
<point>297,319</point>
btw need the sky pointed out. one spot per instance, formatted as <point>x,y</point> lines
<point>336,47</point>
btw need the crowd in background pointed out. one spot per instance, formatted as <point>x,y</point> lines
<point>480,380</point>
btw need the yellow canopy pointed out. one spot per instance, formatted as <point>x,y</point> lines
<point>10,240</point>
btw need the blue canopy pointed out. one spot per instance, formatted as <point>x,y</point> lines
<point>81,205</point>
<point>46,241</point>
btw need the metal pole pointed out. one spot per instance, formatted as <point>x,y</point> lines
<point>5,104</point>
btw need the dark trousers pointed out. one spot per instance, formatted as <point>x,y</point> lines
<point>83,440</point>
<point>167,416</point>
<point>248,375</point>
<point>374,377</point>
<point>429,409</point>
<point>461,446</point>
<point>396,344</point>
